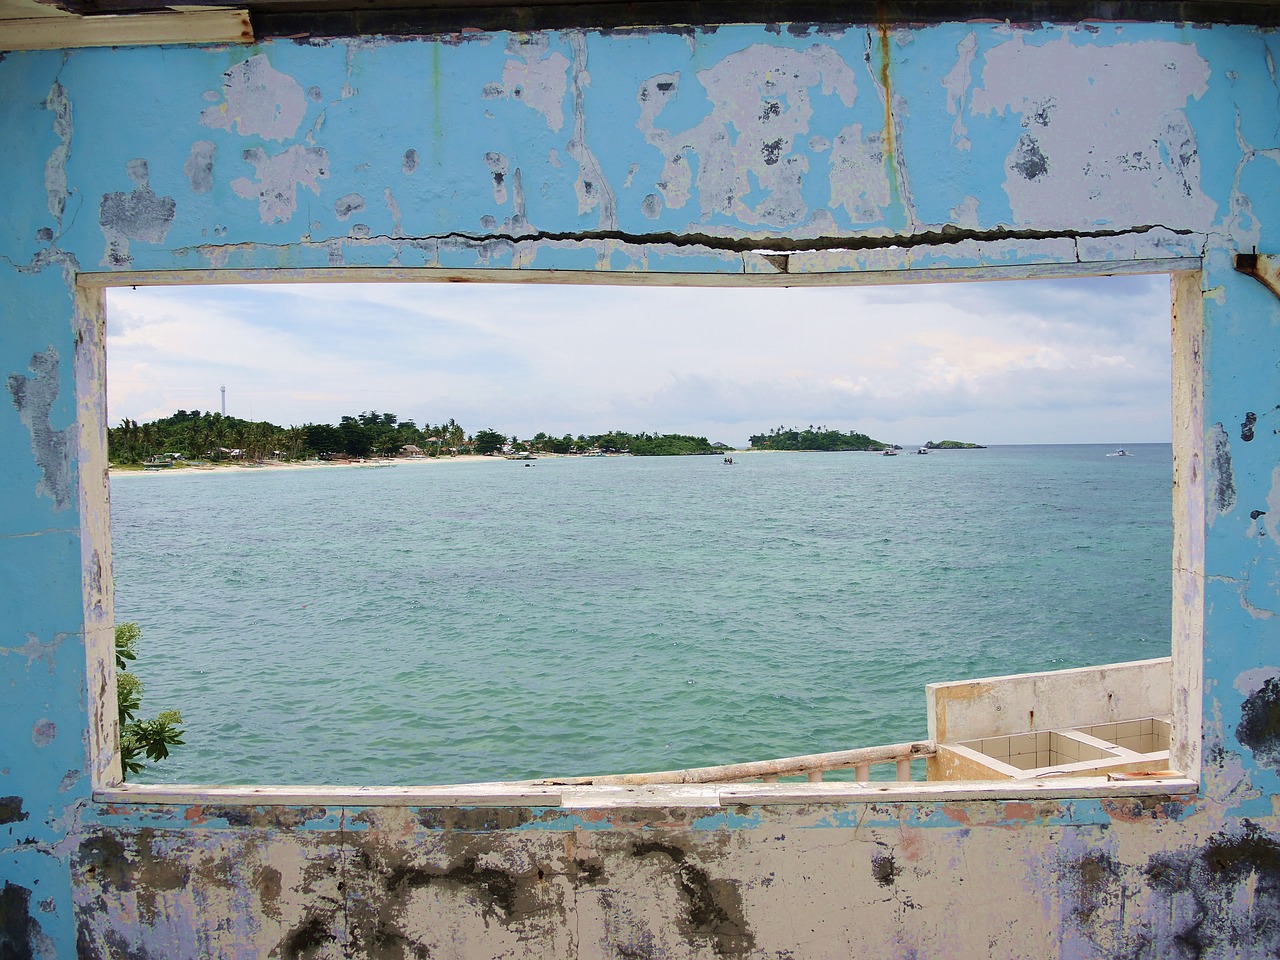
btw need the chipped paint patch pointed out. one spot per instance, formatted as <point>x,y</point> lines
<point>258,100</point>
<point>55,168</point>
<point>44,732</point>
<point>278,179</point>
<point>34,397</point>
<point>761,106</point>
<point>957,82</point>
<point>199,166</point>
<point>1140,164</point>
<point>137,215</point>
<point>535,76</point>
<point>1219,474</point>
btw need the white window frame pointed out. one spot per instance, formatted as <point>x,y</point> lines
<point>1187,560</point>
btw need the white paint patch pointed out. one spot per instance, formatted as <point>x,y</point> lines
<point>956,83</point>
<point>276,188</point>
<point>760,106</point>
<point>1093,151</point>
<point>859,182</point>
<point>55,168</point>
<point>965,213</point>
<point>592,187</point>
<point>1251,681</point>
<point>536,77</point>
<point>258,100</point>
<point>1272,521</point>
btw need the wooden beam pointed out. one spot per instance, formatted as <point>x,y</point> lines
<point>143,29</point>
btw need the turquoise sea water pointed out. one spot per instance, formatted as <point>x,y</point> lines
<point>449,622</point>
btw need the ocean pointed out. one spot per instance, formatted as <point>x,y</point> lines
<point>435,623</point>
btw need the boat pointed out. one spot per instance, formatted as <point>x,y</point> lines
<point>922,451</point>
<point>889,452</point>
<point>1120,452</point>
<point>519,456</point>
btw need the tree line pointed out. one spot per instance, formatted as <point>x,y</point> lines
<point>196,435</point>
<point>814,438</point>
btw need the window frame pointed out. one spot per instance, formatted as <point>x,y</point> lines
<point>1188,496</point>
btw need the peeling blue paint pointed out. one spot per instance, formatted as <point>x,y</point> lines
<point>745,150</point>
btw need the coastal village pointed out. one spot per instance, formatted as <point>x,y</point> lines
<point>205,440</point>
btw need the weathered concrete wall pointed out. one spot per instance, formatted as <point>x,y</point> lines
<point>747,150</point>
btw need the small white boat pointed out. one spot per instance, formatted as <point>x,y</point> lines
<point>922,451</point>
<point>1120,452</point>
<point>889,452</point>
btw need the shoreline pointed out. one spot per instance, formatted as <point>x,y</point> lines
<point>187,469</point>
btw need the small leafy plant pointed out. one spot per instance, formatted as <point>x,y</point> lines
<point>149,737</point>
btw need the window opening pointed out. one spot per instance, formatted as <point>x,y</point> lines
<point>458,621</point>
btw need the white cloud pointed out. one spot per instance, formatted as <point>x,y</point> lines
<point>997,362</point>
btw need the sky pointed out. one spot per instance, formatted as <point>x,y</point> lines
<point>1046,361</point>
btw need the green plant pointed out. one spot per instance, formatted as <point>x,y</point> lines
<point>140,736</point>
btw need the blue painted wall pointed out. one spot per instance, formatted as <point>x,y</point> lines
<point>835,150</point>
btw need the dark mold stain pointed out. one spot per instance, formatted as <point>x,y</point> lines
<point>884,869</point>
<point>1255,514</point>
<point>1222,480</point>
<point>482,819</point>
<point>315,94</point>
<point>410,162</point>
<point>772,151</point>
<point>284,818</point>
<point>34,397</point>
<point>587,873</point>
<point>772,108</point>
<point>1028,160</point>
<point>18,929</point>
<point>1203,887</point>
<point>102,860</point>
<point>498,891</point>
<point>1095,880</point>
<point>307,939</point>
<point>11,810</point>
<point>1259,728</point>
<point>1246,428</point>
<point>713,908</point>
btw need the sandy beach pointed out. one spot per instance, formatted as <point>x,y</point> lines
<point>246,467</point>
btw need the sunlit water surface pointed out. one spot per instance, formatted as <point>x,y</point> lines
<point>448,622</point>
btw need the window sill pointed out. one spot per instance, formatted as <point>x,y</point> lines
<point>661,795</point>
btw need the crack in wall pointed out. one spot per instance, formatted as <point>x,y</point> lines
<point>945,236</point>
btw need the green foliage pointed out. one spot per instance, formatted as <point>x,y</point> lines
<point>489,441</point>
<point>954,445</point>
<point>669,445</point>
<point>210,436</point>
<point>149,737</point>
<point>781,438</point>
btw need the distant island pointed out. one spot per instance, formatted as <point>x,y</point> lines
<point>819,438</point>
<point>953,445</point>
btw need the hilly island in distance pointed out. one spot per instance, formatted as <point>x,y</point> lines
<point>195,435</point>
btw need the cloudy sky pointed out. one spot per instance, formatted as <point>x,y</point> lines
<point>1062,361</point>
